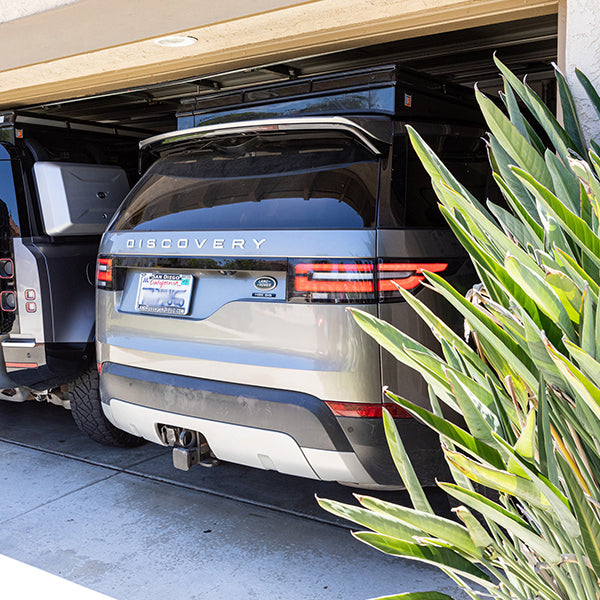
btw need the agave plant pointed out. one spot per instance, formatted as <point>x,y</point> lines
<point>528,386</point>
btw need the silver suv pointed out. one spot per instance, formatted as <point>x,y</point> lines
<point>224,279</point>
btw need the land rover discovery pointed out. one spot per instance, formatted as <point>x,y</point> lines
<point>223,281</point>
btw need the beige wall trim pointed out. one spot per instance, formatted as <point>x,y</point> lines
<point>281,34</point>
<point>84,26</point>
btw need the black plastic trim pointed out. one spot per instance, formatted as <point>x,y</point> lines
<point>304,417</point>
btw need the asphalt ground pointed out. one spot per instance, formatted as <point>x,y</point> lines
<point>126,524</point>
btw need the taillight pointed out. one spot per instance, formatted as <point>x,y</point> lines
<point>336,281</point>
<point>407,275</point>
<point>355,281</point>
<point>104,273</point>
<point>367,411</point>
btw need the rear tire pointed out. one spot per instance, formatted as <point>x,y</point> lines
<point>84,396</point>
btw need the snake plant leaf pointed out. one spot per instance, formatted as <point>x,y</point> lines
<point>586,517</point>
<point>587,329</point>
<point>584,389</point>
<point>519,148</point>
<point>404,466</point>
<point>586,212</point>
<point>416,596</point>
<point>577,273</point>
<point>580,231</point>
<point>446,530</point>
<point>554,236</point>
<point>392,339</point>
<point>480,420</point>
<point>554,503</point>
<point>486,231</point>
<point>566,183</point>
<point>568,293</point>
<point>514,355</point>
<point>558,136</point>
<point>398,345</point>
<point>504,409</point>
<point>548,262</point>
<point>545,297</point>
<point>589,181</point>
<point>518,207</point>
<point>443,331</point>
<point>440,557</point>
<point>513,227</point>
<point>450,354</point>
<point>569,112</point>
<point>536,341</point>
<point>545,444</point>
<point>526,443</point>
<point>480,537</point>
<point>588,365</point>
<point>509,521</point>
<point>432,371</point>
<point>377,521</point>
<point>597,327</point>
<point>590,90</point>
<point>502,163</point>
<point>502,481</point>
<point>492,271</point>
<point>595,160</point>
<point>514,112</point>
<point>434,166</point>
<point>449,430</point>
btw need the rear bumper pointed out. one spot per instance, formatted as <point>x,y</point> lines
<point>282,430</point>
<point>42,366</point>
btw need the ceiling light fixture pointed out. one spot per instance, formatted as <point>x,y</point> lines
<point>176,41</point>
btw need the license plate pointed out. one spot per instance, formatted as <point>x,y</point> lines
<point>164,293</point>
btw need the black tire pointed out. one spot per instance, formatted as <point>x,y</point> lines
<point>84,395</point>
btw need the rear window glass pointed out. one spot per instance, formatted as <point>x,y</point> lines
<point>258,183</point>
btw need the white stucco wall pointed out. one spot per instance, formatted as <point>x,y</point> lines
<point>582,50</point>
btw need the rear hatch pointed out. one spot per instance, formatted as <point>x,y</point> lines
<point>236,256</point>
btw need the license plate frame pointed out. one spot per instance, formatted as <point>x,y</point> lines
<point>164,293</point>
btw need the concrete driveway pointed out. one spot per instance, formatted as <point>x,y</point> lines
<point>125,524</point>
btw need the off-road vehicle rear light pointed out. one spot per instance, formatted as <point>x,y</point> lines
<point>406,275</point>
<point>366,411</point>
<point>355,281</point>
<point>347,281</point>
<point>104,273</point>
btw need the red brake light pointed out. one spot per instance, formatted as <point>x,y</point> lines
<point>368,411</point>
<point>350,281</point>
<point>104,272</point>
<point>356,281</point>
<point>405,275</point>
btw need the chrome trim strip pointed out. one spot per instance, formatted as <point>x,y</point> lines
<point>296,124</point>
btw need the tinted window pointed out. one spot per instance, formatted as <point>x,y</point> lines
<point>413,200</point>
<point>258,183</point>
<point>9,216</point>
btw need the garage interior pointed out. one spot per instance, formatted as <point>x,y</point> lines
<point>464,57</point>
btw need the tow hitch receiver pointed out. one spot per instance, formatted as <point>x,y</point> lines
<point>184,458</point>
<point>189,448</point>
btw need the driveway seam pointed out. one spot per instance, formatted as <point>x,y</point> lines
<point>57,498</point>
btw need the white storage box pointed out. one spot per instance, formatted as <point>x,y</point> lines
<point>77,198</point>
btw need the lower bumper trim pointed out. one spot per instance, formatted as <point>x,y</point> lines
<point>260,448</point>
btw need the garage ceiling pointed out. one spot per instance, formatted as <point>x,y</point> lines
<point>528,46</point>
